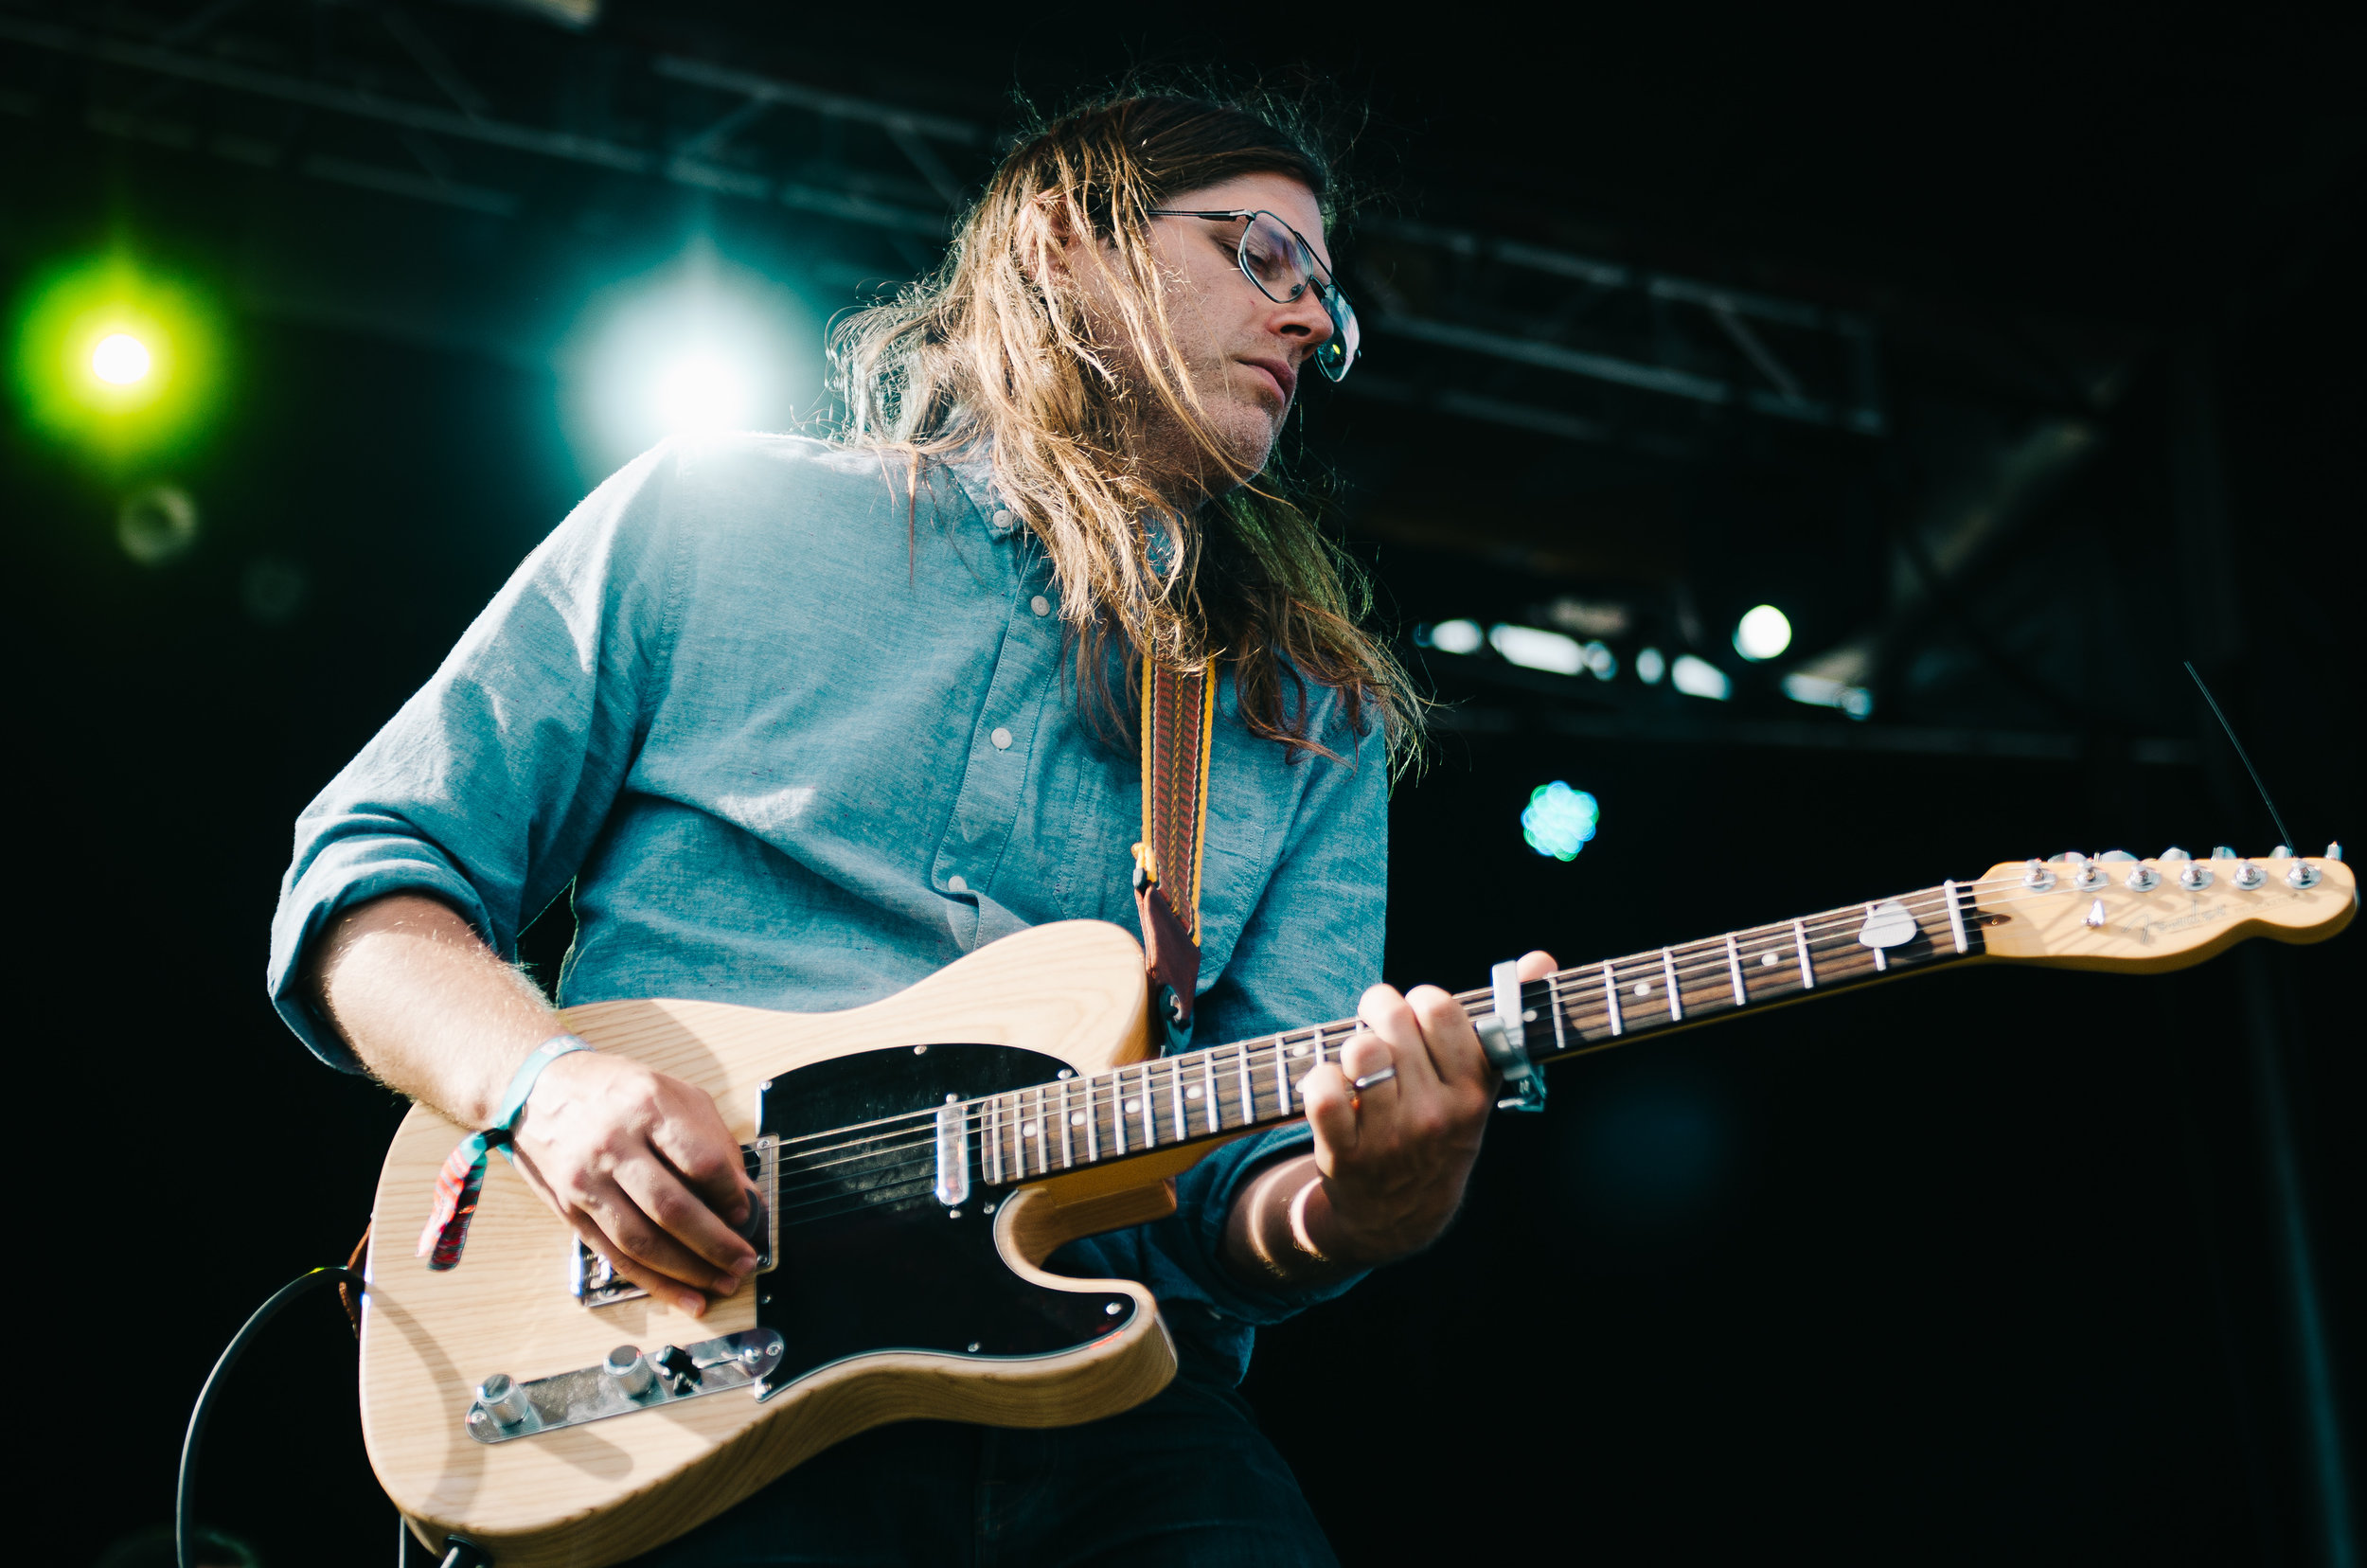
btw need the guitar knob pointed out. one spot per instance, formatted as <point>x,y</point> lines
<point>631,1373</point>
<point>504,1399</point>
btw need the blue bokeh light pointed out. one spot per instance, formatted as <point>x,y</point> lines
<point>1559,820</point>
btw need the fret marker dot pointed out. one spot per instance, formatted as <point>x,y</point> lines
<point>1132,1107</point>
<point>1766,960</point>
<point>1077,1118</point>
<point>1298,1050</point>
<point>1644,988</point>
<point>1027,1130</point>
<point>1191,1094</point>
<point>1529,1017</point>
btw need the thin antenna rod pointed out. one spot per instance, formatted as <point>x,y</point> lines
<point>2245,758</point>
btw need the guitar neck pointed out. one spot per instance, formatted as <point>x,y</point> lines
<point>1224,1090</point>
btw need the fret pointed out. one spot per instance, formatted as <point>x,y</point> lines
<point>1281,1080</point>
<point>1248,1096</point>
<point>1044,1153</point>
<point>1068,1149</point>
<point>1734,972</point>
<point>1149,1104</point>
<point>1018,1103</point>
<point>1093,1129</point>
<point>1955,914</point>
<point>1117,1113</point>
<point>1808,971</point>
<point>1208,1087</point>
<point>1552,1003</point>
<point>994,1139</point>
<point>1611,999</point>
<point>1175,1098</point>
<point>1676,996</point>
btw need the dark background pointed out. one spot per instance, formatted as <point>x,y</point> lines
<point>2001,1266</point>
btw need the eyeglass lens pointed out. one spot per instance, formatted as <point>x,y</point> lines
<point>1283,268</point>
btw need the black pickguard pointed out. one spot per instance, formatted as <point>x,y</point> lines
<point>869,1259</point>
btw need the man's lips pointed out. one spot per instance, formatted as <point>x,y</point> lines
<point>1284,379</point>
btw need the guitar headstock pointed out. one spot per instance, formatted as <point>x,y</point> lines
<point>2114,911</point>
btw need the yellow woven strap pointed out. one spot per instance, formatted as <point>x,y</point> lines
<point>1178,726</point>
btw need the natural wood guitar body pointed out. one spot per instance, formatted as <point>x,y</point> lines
<point>1072,991</point>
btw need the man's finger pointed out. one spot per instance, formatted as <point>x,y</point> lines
<point>1386,1015</point>
<point>1330,1112</point>
<point>1448,1040</point>
<point>1536,966</point>
<point>661,1222</point>
<point>702,1149</point>
<point>665,1286</point>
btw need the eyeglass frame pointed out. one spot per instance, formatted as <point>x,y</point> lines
<point>1325,288</point>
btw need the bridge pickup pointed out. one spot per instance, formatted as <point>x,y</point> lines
<point>625,1382</point>
<point>595,1282</point>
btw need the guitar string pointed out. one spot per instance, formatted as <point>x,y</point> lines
<point>1777,937</point>
<point>1266,1056</point>
<point>1825,927</point>
<point>1109,1088</point>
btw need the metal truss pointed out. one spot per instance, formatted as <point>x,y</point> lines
<point>1565,344</point>
<point>432,108</point>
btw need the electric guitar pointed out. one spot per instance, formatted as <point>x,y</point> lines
<point>918,1159</point>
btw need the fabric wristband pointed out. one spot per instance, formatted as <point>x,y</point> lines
<point>457,1183</point>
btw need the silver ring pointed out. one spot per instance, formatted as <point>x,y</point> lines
<point>1360,1085</point>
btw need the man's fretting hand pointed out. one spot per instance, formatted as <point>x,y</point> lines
<point>1391,1161</point>
<point>642,1165</point>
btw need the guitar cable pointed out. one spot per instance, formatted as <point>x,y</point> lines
<point>459,1554</point>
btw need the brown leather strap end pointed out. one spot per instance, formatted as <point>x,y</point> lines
<point>1168,952</point>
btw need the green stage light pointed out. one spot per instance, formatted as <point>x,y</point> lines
<point>115,359</point>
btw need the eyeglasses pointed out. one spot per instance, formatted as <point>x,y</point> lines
<point>1277,258</point>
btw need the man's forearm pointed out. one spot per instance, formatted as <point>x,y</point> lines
<point>426,1005</point>
<point>1282,1232</point>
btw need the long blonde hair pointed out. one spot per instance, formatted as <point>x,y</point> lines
<point>993,353</point>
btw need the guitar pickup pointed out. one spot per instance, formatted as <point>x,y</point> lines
<point>594,1281</point>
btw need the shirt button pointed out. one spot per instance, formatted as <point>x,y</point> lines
<point>1004,520</point>
<point>955,883</point>
<point>1041,605</point>
<point>1002,739</point>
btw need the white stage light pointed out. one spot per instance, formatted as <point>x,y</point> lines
<point>1699,678</point>
<point>704,391</point>
<point>1819,692</point>
<point>1763,633</point>
<point>1532,649</point>
<point>1650,666</point>
<point>1457,636</point>
<point>120,359</point>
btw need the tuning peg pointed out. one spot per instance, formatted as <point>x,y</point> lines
<point>2173,853</point>
<point>2223,852</point>
<point>2090,875</point>
<point>2248,876</point>
<point>2115,857</point>
<point>2143,878</point>
<point>2300,874</point>
<point>2334,851</point>
<point>2195,876</point>
<point>2283,851</point>
<point>2037,877</point>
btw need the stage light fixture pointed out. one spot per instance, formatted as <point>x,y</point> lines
<point>1819,692</point>
<point>1533,649</point>
<point>1559,820</point>
<point>704,391</point>
<point>1697,677</point>
<point>1762,633</point>
<point>114,357</point>
<point>1452,636</point>
<point>1650,666</point>
<point>120,359</point>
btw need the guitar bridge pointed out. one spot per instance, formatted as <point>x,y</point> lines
<point>594,1281</point>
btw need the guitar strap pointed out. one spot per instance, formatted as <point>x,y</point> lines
<point>1178,726</point>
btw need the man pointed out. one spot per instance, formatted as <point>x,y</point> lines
<point>801,724</point>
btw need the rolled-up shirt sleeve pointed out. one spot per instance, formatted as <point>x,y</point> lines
<point>489,787</point>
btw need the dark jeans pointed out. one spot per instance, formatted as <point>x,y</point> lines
<point>1185,1481</point>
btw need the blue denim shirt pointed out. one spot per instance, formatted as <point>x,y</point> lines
<point>797,744</point>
